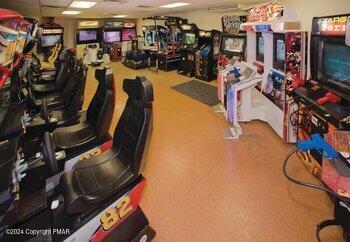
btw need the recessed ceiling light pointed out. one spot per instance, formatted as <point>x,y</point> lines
<point>119,16</point>
<point>68,12</point>
<point>82,4</point>
<point>175,5</point>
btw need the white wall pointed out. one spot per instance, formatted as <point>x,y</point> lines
<point>206,20</point>
<point>70,27</point>
<point>307,9</point>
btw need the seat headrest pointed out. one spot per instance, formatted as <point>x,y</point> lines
<point>139,88</point>
<point>105,77</point>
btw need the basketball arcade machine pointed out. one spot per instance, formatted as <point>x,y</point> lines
<point>324,101</point>
<point>188,48</point>
<point>88,41</point>
<point>207,55</point>
<point>265,94</point>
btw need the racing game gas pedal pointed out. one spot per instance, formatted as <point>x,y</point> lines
<point>32,203</point>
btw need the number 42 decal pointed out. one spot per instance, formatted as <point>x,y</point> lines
<point>113,215</point>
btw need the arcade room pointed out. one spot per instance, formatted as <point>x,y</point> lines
<point>166,120</point>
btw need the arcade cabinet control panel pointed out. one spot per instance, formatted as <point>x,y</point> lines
<point>333,106</point>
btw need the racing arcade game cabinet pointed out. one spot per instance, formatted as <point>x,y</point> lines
<point>323,117</point>
<point>188,48</point>
<point>208,54</point>
<point>50,42</point>
<point>129,38</point>
<point>233,40</point>
<point>170,57</point>
<point>112,34</point>
<point>88,42</point>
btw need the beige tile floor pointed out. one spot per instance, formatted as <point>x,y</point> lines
<point>201,187</point>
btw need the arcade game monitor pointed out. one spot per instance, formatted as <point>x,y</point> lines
<point>128,34</point>
<point>231,45</point>
<point>50,40</point>
<point>190,38</point>
<point>330,62</point>
<point>335,68</point>
<point>85,36</point>
<point>112,36</point>
<point>279,51</point>
<point>260,43</point>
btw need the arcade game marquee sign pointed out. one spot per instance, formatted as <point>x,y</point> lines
<point>335,26</point>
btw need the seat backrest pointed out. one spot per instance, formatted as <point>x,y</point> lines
<point>73,93</point>
<point>101,108</point>
<point>134,129</point>
<point>66,68</point>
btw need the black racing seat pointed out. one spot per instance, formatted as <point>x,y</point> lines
<point>65,71</point>
<point>72,97</point>
<point>94,129</point>
<point>93,180</point>
<point>65,108</point>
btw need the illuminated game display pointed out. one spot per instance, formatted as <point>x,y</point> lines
<point>112,36</point>
<point>330,61</point>
<point>128,34</point>
<point>190,38</point>
<point>280,50</point>
<point>87,35</point>
<point>50,40</point>
<point>260,45</point>
<point>336,63</point>
<point>233,44</point>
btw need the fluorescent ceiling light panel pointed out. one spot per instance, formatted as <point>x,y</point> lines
<point>119,16</point>
<point>68,12</point>
<point>175,5</point>
<point>82,4</point>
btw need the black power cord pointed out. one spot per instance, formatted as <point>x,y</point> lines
<point>325,223</point>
